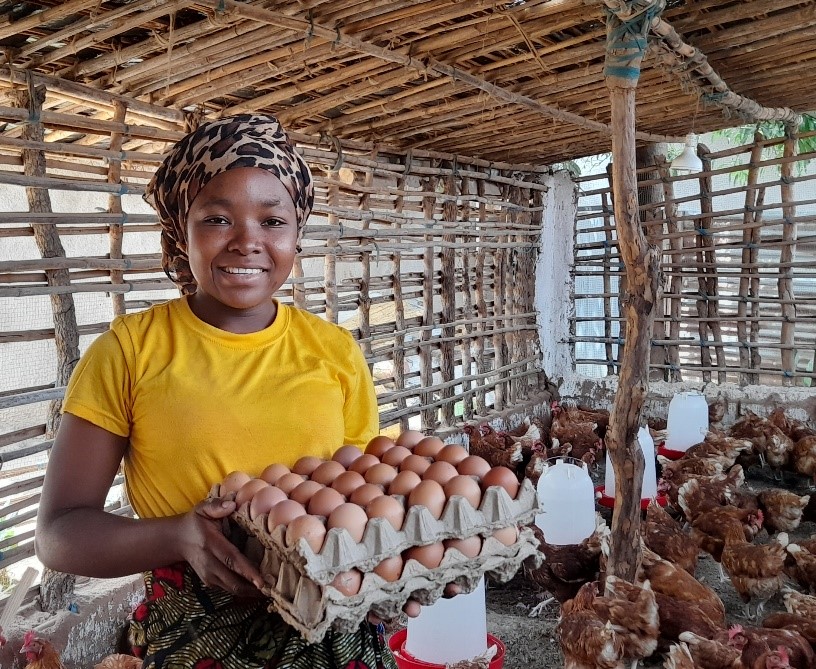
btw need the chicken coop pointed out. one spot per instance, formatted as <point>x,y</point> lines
<point>497,221</point>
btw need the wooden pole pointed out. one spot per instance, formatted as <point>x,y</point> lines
<point>785,283</point>
<point>116,234</point>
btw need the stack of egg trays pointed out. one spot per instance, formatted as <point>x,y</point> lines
<point>299,580</point>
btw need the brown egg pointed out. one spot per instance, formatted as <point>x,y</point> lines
<point>429,447</point>
<point>390,569</point>
<point>430,555</point>
<point>348,582</point>
<point>381,474</point>
<point>306,465</point>
<point>365,493</point>
<point>404,483</point>
<point>327,471</point>
<point>507,535</point>
<point>347,482</point>
<point>473,465</point>
<point>379,445</point>
<point>429,494</point>
<point>307,527</point>
<point>288,482</point>
<point>453,453</point>
<point>410,438</point>
<point>389,508</point>
<point>248,490</point>
<point>273,472</point>
<point>263,500</point>
<point>345,455</point>
<point>504,477</point>
<point>284,513</point>
<point>232,483</point>
<point>441,472</point>
<point>415,463</point>
<point>363,463</point>
<point>324,501</point>
<point>469,546</point>
<point>394,456</point>
<point>351,517</point>
<point>465,486</point>
<point>305,491</point>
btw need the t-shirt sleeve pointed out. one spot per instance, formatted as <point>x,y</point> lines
<point>99,389</point>
<point>361,415</point>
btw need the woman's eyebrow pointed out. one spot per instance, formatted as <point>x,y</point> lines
<point>226,202</point>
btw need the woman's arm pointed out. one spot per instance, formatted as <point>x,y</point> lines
<point>75,535</point>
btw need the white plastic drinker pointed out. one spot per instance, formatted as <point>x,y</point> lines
<point>649,489</point>
<point>567,500</point>
<point>688,421</point>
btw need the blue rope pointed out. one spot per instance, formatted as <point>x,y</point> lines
<point>626,39</point>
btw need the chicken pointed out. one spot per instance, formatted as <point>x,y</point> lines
<point>803,457</point>
<point>663,534</point>
<point>771,443</point>
<point>40,653</point>
<point>782,509</point>
<point>119,661</point>
<point>703,494</point>
<point>756,571</point>
<point>586,640</point>
<point>790,621</point>
<point>756,642</point>
<point>566,568</point>
<point>709,528</point>
<point>582,414</point>
<point>803,570</point>
<point>580,429</point>
<point>800,604</point>
<point>680,471</point>
<point>679,657</point>
<point>717,410</point>
<point>793,428</point>
<point>719,447</point>
<point>485,442</point>
<point>711,654</point>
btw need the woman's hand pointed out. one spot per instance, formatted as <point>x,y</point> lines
<point>212,556</point>
<point>413,608</point>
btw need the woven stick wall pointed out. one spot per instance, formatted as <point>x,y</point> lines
<point>739,252</point>
<point>420,255</point>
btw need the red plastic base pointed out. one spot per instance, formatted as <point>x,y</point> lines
<point>669,453</point>
<point>609,502</point>
<point>407,661</point>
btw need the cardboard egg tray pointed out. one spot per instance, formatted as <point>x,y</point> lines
<point>299,580</point>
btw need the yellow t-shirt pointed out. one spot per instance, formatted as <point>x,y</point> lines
<point>197,402</point>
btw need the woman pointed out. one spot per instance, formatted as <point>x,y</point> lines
<point>224,378</point>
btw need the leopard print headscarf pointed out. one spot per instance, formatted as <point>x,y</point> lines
<point>247,140</point>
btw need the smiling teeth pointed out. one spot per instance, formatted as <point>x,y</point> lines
<point>242,270</point>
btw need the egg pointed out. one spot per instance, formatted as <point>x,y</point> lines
<point>326,472</point>
<point>246,491</point>
<point>351,517</point>
<point>429,556</point>
<point>232,483</point>
<point>473,465</point>
<point>469,546</point>
<point>362,464</point>
<point>466,487</point>
<point>380,474</point>
<point>324,501</point>
<point>410,438</point>
<point>365,493</point>
<point>347,482</point>
<point>441,472</point>
<point>284,513</point>
<point>306,465</point>
<point>348,582</point>
<point>307,527</point>
<point>390,569</point>
<point>263,500</point>
<point>404,483</point>
<point>389,508</point>
<point>394,456</point>
<point>504,477</point>
<point>507,535</point>
<point>429,494</point>
<point>288,482</point>
<point>379,445</point>
<point>415,463</point>
<point>429,447</point>
<point>345,455</point>
<point>305,491</point>
<point>453,453</point>
<point>273,472</point>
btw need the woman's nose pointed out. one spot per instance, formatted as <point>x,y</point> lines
<point>246,238</point>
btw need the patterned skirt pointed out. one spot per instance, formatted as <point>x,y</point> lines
<point>183,624</point>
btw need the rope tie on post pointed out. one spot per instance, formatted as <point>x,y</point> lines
<point>33,107</point>
<point>627,23</point>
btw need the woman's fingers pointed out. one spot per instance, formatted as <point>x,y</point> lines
<point>412,608</point>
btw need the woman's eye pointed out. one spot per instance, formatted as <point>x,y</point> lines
<point>216,220</point>
<point>273,222</point>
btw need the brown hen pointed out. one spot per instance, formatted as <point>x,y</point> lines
<point>803,457</point>
<point>40,653</point>
<point>782,509</point>
<point>485,442</point>
<point>790,621</point>
<point>711,654</point>
<point>632,611</point>
<point>663,534</point>
<point>800,604</point>
<point>119,661</point>
<point>754,642</point>
<point>586,640</point>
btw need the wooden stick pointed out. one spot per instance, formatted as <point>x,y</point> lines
<point>15,599</point>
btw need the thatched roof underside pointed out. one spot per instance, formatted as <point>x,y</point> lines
<point>339,66</point>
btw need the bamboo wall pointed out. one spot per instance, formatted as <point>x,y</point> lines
<point>427,258</point>
<point>738,264</point>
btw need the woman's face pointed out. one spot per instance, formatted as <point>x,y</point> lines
<point>241,243</point>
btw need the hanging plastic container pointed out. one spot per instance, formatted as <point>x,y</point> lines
<point>649,489</point>
<point>688,421</point>
<point>450,630</point>
<point>567,500</point>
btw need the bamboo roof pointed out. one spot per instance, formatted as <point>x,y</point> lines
<point>519,81</point>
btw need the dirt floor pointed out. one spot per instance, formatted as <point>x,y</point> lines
<point>531,643</point>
